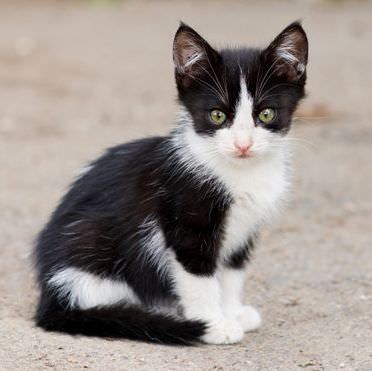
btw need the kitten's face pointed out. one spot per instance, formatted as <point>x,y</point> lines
<point>241,101</point>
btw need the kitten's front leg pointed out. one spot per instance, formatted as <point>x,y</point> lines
<point>232,282</point>
<point>200,297</point>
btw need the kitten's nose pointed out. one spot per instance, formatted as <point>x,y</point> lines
<point>243,148</point>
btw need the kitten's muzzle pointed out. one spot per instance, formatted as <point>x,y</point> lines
<point>243,149</point>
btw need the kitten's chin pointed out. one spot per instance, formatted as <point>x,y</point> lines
<point>239,159</point>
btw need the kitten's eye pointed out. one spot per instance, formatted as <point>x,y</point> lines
<point>266,115</point>
<point>218,117</point>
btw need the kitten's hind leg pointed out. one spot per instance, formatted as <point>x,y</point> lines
<point>232,281</point>
<point>200,297</point>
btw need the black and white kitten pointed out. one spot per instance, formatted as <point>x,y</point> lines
<point>152,241</point>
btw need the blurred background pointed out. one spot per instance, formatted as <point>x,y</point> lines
<point>79,76</point>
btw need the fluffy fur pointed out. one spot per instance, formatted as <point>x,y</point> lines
<point>152,240</point>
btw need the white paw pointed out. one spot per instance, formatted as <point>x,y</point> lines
<point>226,331</point>
<point>249,318</point>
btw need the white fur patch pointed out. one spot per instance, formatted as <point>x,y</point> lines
<point>232,282</point>
<point>287,53</point>
<point>193,58</point>
<point>84,170</point>
<point>188,55</point>
<point>153,251</point>
<point>86,290</point>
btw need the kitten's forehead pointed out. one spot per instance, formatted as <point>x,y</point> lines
<point>240,69</point>
<point>244,103</point>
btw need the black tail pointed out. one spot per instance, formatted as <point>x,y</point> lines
<point>121,322</point>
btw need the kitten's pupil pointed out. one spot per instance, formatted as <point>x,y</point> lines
<point>218,117</point>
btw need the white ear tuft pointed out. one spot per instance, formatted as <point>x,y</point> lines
<point>289,50</point>
<point>287,53</point>
<point>187,55</point>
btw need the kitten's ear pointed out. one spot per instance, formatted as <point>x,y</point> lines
<point>192,55</point>
<point>289,53</point>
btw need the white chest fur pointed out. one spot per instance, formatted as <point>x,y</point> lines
<point>257,184</point>
<point>257,193</point>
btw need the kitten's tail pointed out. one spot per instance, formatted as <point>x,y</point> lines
<point>121,322</point>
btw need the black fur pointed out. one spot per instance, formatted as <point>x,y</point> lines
<point>118,321</point>
<point>94,229</point>
<point>97,226</point>
<point>241,256</point>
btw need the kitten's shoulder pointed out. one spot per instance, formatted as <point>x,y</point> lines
<point>144,146</point>
<point>130,156</point>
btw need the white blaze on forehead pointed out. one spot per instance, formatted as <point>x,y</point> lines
<point>243,111</point>
<point>243,124</point>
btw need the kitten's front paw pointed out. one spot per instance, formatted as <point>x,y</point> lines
<point>249,318</point>
<point>226,331</point>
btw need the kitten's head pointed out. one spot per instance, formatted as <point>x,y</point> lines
<point>240,102</point>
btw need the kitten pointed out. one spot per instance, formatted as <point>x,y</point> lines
<point>152,241</point>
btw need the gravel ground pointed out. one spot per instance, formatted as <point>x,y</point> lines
<point>76,78</point>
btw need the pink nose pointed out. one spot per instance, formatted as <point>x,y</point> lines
<point>243,148</point>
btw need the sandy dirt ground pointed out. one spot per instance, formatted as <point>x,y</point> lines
<point>76,78</point>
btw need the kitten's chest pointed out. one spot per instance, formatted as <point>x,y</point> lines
<point>256,198</point>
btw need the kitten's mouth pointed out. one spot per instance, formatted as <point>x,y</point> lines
<point>244,155</point>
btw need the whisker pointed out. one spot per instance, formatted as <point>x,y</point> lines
<point>303,118</point>
<point>214,79</point>
<point>299,141</point>
<point>265,78</point>
<point>209,86</point>
<point>217,80</point>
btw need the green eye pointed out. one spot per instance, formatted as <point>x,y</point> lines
<point>266,115</point>
<point>218,117</point>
